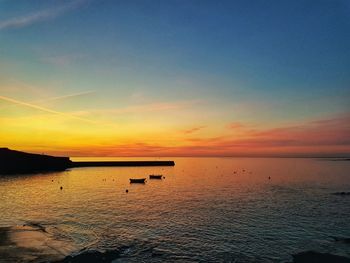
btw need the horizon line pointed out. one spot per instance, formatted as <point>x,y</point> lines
<point>218,156</point>
<point>338,156</point>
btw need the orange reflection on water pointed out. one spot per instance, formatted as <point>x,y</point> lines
<point>201,203</point>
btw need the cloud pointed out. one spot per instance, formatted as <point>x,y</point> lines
<point>33,106</point>
<point>61,60</point>
<point>235,125</point>
<point>194,129</point>
<point>53,98</point>
<point>152,107</point>
<point>78,94</point>
<point>241,129</point>
<point>39,16</point>
<point>335,131</point>
<point>327,137</point>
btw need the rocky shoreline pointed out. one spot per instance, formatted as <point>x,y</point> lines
<point>33,243</point>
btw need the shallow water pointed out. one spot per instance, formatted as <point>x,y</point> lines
<point>201,212</point>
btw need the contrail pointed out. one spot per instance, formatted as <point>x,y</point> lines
<point>55,98</point>
<point>44,109</point>
<point>66,96</point>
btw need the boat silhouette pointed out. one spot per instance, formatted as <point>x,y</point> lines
<point>137,180</point>
<point>155,176</point>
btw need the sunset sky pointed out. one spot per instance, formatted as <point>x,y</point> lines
<point>175,78</point>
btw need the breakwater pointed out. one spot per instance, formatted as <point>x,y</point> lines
<point>123,163</point>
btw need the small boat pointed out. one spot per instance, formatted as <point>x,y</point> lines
<point>137,181</point>
<point>155,176</point>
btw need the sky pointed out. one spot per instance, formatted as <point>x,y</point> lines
<point>175,78</point>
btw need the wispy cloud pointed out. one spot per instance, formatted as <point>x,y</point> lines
<point>328,137</point>
<point>62,60</point>
<point>235,125</point>
<point>152,107</point>
<point>242,129</point>
<point>69,96</point>
<point>78,94</point>
<point>33,106</point>
<point>193,130</point>
<point>39,16</point>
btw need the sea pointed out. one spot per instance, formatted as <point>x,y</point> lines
<point>202,210</point>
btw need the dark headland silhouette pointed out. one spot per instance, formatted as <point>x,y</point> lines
<point>17,162</point>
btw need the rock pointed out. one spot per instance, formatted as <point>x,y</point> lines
<point>344,240</point>
<point>342,193</point>
<point>317,257</point>
<point>92,256</point>
<point>32,243</point>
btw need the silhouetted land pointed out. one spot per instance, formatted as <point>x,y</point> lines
<point>12,162</point>
<point>16,162</point>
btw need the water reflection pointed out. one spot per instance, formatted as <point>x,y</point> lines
<point>205,209</point>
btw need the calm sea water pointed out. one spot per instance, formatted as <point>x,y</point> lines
<point>201,212</point>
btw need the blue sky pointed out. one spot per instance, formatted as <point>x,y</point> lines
<point>266,63</point>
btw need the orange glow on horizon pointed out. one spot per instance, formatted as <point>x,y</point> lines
<point>321,138</point>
